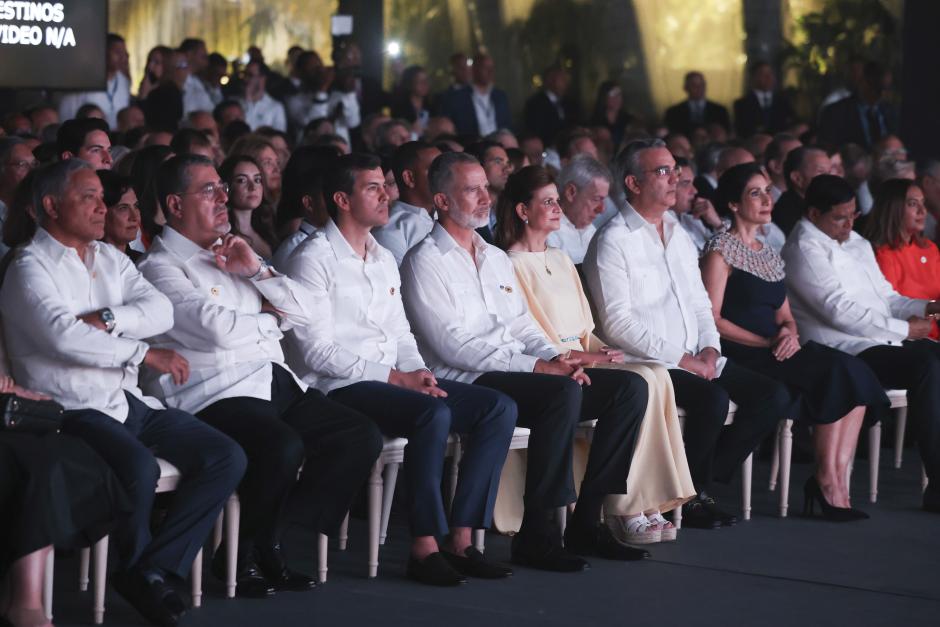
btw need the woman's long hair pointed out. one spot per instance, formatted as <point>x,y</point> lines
<point>885,222</point>
<point>520,188</point>
<point>262,216</point>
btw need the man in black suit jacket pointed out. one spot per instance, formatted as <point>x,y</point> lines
<point>763,109</point>
<point>547,111</point>
<point>801,166</point>
<point>862,118</point>
<point>478,108</point>
<point>696,111</point>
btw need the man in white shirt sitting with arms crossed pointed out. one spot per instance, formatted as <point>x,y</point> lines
<point>76,312</point>
<point>359,349</point>
<point>230,313</point>
<point>840,298</point>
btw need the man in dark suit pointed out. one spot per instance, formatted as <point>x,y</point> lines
<point>696,111</point>
<point>864,117</point>
<point>547,111</point>
<point>478,108</point>
<point>802,165</point>
<point>764,109</point>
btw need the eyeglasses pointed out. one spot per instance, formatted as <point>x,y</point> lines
<point>665,171</point>
<point>209,191</point>
<point>23,165</point>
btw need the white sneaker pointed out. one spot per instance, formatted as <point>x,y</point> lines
<point>636,530</point>
<point>667,529</point>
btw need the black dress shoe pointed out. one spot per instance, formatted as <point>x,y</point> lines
<point>473,564</point>
<point>434,570</point>
<point>544,554</point>
<point>249,582</point>
<point>697,515</point>
<point>272,567</point>
<point>151,599</point>
<point>600,542</point>
<point>726,519</point>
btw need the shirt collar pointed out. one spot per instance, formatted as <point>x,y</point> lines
<point>342,249</point>
<point>636,222</point>
<point>446,243</point>
<point>179,244</point>
<point>44,241</point>
<point>813,232</point>
<point>306,227</point>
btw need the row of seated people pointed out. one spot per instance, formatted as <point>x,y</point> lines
<point>499,340</point>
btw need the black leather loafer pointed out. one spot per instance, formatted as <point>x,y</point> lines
<point>473,564</point>
<point>434,570</point>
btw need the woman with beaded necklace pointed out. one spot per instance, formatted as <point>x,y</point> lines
<point>831,389</point>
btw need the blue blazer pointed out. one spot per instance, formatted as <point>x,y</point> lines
<point>457,104</point>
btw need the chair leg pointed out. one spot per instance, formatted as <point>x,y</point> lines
<point>233,512</point>
<point>923,478</point>
<point>874,457</point>
<point>322,551</point>
<point>217,531</point>
<point>388,494</point>
<point>375,512</point>
<point>746,473</point>
<point>84,557</point>
<point>101,578</point>
<point>900,426</point>
<point>479,540</point>
<point>453,472</point>
<point>197,579</point>
<point>561,515</point>
<point>48,578</point>
<point>775,460</point>
<point>786,455</point>
<point>344,533</point>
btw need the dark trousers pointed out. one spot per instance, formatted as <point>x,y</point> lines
<point>339,446</point>
<point>551,406</point>
<point>915,367</point>
<point>485,416</point>
<point>714,452</point>
<point>211,465</point>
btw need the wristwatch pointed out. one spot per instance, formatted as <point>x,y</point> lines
<point>107,317</point>
<point>262,268</point>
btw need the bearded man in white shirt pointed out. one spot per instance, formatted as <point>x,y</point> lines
<point>358,348</point>
<point>643,273</point>
<point>583,185</point>
<point>473,326</point>
<point>231,311</point>
<point>76,312</point>
<point>411,217</point>
<point>840,298</point>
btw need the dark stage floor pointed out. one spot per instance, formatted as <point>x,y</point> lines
<point>768,571</point>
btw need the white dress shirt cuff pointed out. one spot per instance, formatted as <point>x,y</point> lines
<point>520,362</point>
<point>899,328</point>
<point>672,355</point>
<point>138,357</point>
<point>268,326</point>
<point>374,371</point>
<point>126,319</point>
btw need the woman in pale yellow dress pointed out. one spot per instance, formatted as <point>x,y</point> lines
<point>659,478</point>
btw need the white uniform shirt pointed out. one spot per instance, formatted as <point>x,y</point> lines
<point>218,326</point>
<point>484,110</point>
<point>196,96</point>
<point>838,294</point>
<point>358,329</point>
<point>289,245</point>
<point>266,111</point>
<point>649,297</point>
<point>117,95</point>
<point>44,291</point>
<point>469,318</point>
<point>572,240</point>
<point>407,225</point>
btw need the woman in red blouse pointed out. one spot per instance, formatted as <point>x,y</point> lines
<point>909,261</point>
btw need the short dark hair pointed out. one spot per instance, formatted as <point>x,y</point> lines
<point>185,138</point>
<point>303,176</point>
<point>826,191</point>
<point>341,176</point>
<point>217,59</point>
<point>479,149</point>
<point>774,150</point>
<point>222,106</point>
<point>72,133</point>
<point>113,38</point>
<point>173,176</point>
<point>731,185</point>
<point>190,44</point>
<point>115,185</point>
<point>566,139</point>
<point>796,158</point>
<point>405,157</point>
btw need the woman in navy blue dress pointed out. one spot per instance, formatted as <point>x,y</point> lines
<point>831,389</point>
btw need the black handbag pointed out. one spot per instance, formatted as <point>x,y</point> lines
<point>23,415</point>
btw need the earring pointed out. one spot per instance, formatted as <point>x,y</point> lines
<point>525,220</point>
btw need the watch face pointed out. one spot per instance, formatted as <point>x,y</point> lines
<point>107,316</point>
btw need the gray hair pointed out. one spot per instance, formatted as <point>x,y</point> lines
<point>441,172</point>
<point>581,171</point>
<point>627,162</point>
<point>51,180</point>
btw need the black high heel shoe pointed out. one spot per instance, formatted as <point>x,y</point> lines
<point>812,494</point>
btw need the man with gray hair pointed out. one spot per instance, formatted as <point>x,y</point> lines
<point>76,312</point>
<point>583,185</point>
<point>643,273</point>
<point>472,325</point>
